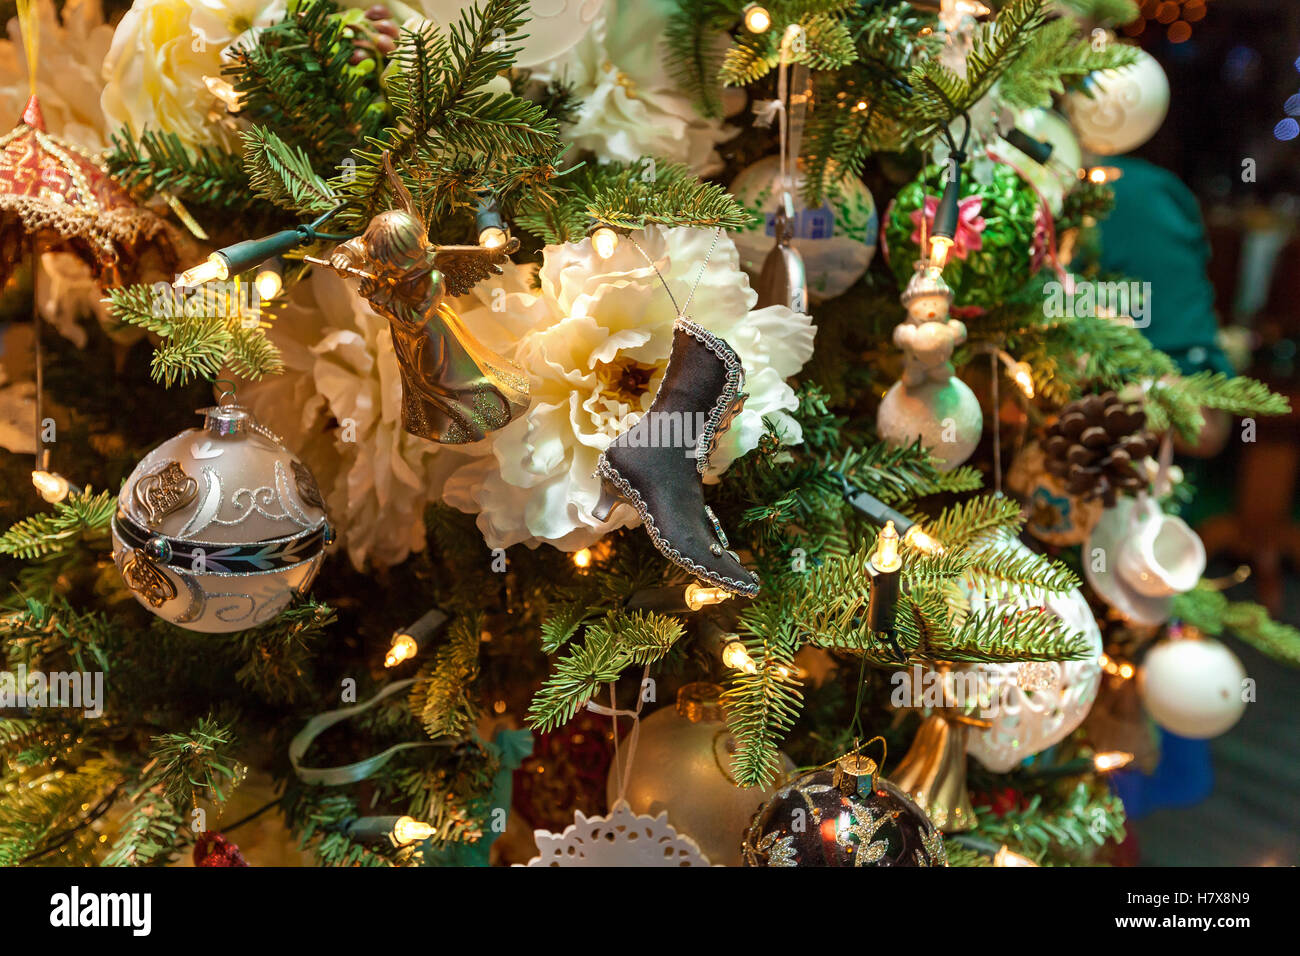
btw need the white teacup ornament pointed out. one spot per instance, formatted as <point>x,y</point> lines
<point>1137,558</point>
<point>1163,556</point>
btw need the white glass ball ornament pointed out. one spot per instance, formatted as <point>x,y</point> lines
<point>945,415</point>
<point>1056,177</point>
<point>682,766</point>
<point>1192,685</point>
<point>836,241</point>
<point>220,527</point>
<point>553,27</point>
<point>1126,106</point>
<point>1029,708</point>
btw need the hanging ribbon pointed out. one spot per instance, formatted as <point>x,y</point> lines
<point>352,772</point>
<point>613,711</point>
<point>791,107</point>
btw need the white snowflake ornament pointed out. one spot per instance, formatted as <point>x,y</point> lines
<point>622,838</point>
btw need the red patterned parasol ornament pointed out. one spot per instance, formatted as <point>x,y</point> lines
<point>56,197</point>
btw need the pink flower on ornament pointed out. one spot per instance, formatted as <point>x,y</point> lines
<point>970,225</point>
<point>1040,251</point>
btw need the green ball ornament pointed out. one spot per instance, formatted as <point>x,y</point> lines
<point>993,253</point>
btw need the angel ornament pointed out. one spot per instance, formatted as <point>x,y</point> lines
<point>454,388</point>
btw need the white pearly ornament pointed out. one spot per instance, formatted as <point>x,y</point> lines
<point>1034,705</point>
<point>929,401</point>
<point>1059,173</point>
<point>622,838</point>
<point>836,241</point>
<point>1192,685</point>
<point>1119,110</point>
<point>220,527</point>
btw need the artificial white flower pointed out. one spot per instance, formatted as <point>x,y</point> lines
<point>71,53</point>
<point>338,406</point>
<point>163,53</point>
<point>595,340</point>
<point>630,108</point>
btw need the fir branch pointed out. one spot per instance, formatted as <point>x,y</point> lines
<point>283,175</point>
<point>1055,59</point>
<point>998,634</point>
<point>606,650</point>
<point>194,764</point>
<point>160,162</point>
<point>82,516</point>
<point>1087,817</point>
<point>442,698</point>
<point>1211,612</point>
<point>1178,401</point>
<point>762,705</point>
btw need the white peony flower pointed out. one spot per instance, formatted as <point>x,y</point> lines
<point>71,52</point>
<point>630,106</point>
<point>595,341</point>
<point>338,406</point>
<point>163,53</point>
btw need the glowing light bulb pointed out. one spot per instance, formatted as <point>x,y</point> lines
<point>737,658</point>
<point>403,649</point>
<point>1023,376</point>
<point>757,19</point>
<point>1111,760</point>
<point>1008,857</point>
<point>604,240</point>
<point>582,559</point>
<point>269,281</point>
<point>213,267</point>
<point>939,248</point>
<point>52,487</point>
<point>886,557</point>
<point>493,237</point>
<point>225,91</point>
<point>409,830</point>
<point>697,596</point>
<point>916,538</point>
<point>1126,670</point>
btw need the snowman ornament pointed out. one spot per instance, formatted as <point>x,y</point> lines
<point>929,402</point>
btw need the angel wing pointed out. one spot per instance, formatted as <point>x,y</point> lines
<point>464,267</point>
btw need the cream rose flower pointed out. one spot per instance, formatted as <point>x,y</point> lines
<point>338,405</point>
<point>72,49</point>
<point>161,54</point>
<point>630,106</point>
<point>595,340</point>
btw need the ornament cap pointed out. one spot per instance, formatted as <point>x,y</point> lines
<point>700,702</point>
<point>854,774</point>
<point>32,115</point>
<point>225,421</point>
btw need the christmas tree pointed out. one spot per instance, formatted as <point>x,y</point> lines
<point>581,434</point>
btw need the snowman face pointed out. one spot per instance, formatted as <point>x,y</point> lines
<point>928,308</point>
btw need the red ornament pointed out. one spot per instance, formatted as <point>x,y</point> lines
<point>213,849</point>
<point>55,197</point>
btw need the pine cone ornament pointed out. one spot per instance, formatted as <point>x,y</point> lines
<point>1097,447</point>
<point>213,849</point>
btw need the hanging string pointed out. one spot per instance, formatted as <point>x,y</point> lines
<point>29,22</point>
<point>997,425</point>
<point>623,771</point>
<point>681,311</point>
